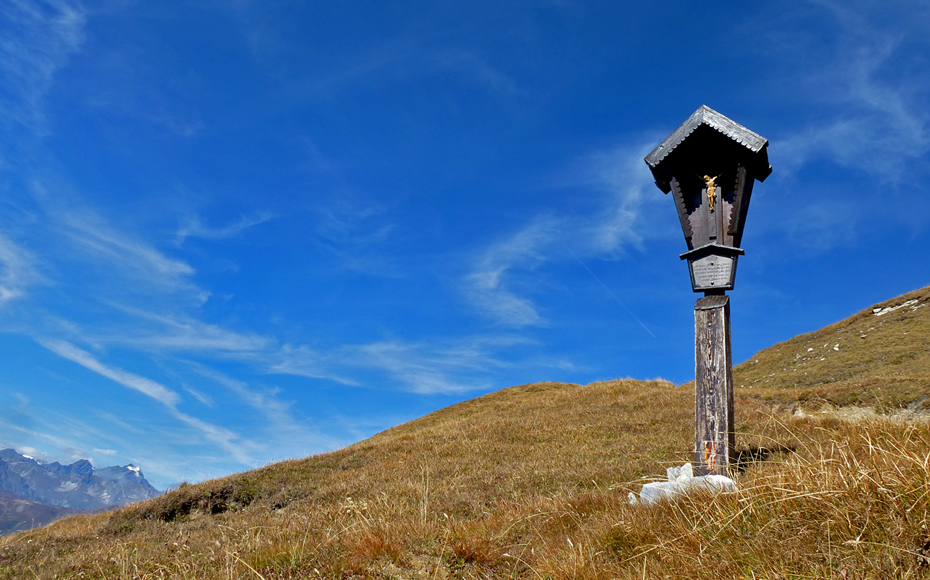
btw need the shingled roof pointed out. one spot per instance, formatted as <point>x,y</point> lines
<point>754,143</point>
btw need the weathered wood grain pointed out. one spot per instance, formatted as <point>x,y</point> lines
<point>714,433</point>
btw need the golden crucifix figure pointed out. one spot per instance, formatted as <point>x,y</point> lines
<point>711,184</point>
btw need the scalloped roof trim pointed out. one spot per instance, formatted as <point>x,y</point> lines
<point>707,116</point>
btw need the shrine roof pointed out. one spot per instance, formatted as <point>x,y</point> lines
<point>707,116</point>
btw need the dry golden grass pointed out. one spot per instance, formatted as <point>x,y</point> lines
<point>878,361</point>
<point>446,488</point>
<point>531,482</point>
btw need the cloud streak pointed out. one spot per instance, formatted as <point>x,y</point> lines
<point>428,370</point>
<point>145,386</point>
<point>302,361</point>
<point>17,270</point>
<point>40,38</point>
<point>633,210</point>
<point>166,333</point>
<point>486,285</point>
<point>133,257</point>
<point>222,437</point>
<point>193,228</point>
<point>627,217</point>
<point>876,120</point>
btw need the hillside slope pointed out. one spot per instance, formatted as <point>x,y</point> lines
<point>879,357</point>
<point>345,511</point>
<point>531,482</point>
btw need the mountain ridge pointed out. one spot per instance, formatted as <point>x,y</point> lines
<point>78,487</point>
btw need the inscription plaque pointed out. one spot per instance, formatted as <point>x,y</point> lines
<point>713,271</point>
<point>712,267</point>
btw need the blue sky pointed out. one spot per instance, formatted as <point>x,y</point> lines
<point>239,232</point>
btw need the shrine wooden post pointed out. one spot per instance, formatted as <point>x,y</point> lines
<point>709,165</point>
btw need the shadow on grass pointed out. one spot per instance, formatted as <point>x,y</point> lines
<point>743,459</point>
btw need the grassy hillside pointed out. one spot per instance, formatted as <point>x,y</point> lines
<point>531,482</point>
<point>877,358</point>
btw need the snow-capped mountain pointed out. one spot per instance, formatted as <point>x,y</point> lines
<point>78,485</point>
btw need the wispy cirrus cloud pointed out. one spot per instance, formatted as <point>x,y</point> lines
<point>280,421</point>
<point>381,64</point>
<point>878,132</point>
<point>157,331</point>
<point>132,257</point>
<point>72,437</point>
<point>858,72</point>
<point>75,244</point>
<point>442,367</point>
<point>264,401</point>
<point>116,421</point>
<point>303,361</point>
<point>487,285</point>
<point>628,213</point>
<point>38,39</point>
<point>18,270</point>
<point>172,334</point>
<point>203,398</point>
<point>428,370</point>
<point>145,386</point>
<point>358,233</point>
<point>145,300</point>
<point>69,449</point>
<point>194,228</point>
<point>225,438</point>
<point>874,115</point>
<point>632,211</point>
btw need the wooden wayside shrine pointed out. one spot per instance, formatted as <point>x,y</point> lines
<point>709,165</point>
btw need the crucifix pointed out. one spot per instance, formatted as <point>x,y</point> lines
<point>711,186</point>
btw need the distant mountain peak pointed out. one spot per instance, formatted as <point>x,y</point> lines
<point>79,485</point>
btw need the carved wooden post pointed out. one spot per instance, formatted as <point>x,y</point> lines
<point>714,435</point>
<point>709,164</point>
